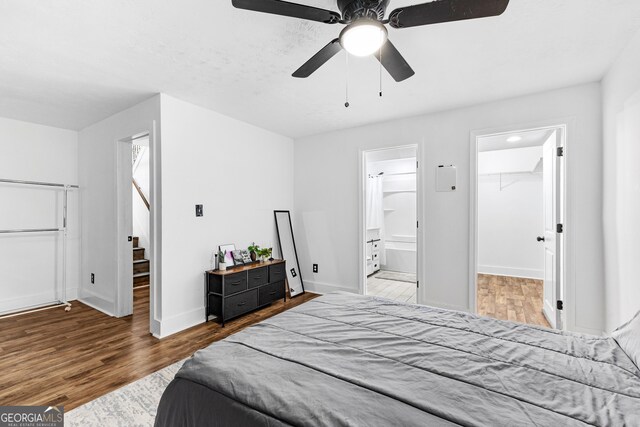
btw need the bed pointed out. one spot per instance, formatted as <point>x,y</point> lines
<point>350,360</point>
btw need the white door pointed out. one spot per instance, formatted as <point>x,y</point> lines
<point>552,238</point>
<point>124,290</point>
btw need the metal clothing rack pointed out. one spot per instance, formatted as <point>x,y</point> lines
<point>66,188</point>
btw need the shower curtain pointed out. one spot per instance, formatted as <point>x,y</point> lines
<point>375,210</point>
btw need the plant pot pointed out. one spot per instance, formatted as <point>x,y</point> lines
<point>222,266</point>
<point>253,256</point>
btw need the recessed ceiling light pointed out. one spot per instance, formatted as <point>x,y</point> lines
<point>514,138</point>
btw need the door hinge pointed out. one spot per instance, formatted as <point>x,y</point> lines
<point>417,224</point>
<point>560,305</point>
<point>418,284</point>
<point>417,164</point>
<point>560,151</point>
<point>560,228</point>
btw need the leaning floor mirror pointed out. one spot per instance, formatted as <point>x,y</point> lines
<point>288,251</point>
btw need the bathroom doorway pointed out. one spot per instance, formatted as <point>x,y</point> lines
<point>390,223</point>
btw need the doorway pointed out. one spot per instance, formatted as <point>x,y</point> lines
<point>519,210</point>
<point>135,237</point>
<point>390,224</point>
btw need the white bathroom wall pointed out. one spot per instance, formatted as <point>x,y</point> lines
<point>510,213</point>
<point>399,204</point>
<point>327,213</point>
<point>621,99</point>
<point>31,264</point>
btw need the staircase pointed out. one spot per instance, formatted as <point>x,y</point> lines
<point>140,266</point>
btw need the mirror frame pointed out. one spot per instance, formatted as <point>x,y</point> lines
<point>295,250</point>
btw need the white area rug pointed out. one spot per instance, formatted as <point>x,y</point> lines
<point>132,405</point>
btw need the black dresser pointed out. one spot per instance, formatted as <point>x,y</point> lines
<point>234,292</point>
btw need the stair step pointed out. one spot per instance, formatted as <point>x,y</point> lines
<point>138,254</point>
<point>141,266</point>
<point>136,240</point>
<point>141,279</point>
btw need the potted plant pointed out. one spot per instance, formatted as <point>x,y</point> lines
<point>253,251</point>
<point>265,253</point>
<point>222,265</point>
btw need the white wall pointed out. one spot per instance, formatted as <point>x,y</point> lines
<point>621,111</point>
<point>97,162</point>
<point>510,214</point>
<point>327,188</point>
<point>239,172</point>
<point>30,265</point>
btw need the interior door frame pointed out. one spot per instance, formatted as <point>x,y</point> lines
<point>124,287</point>
<point>362,221</point>
<point>565,213</point>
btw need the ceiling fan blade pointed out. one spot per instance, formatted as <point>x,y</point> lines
<point>394,63</point>
<point>439,11</point>
<point>284,8</point>
<point>318,60</point>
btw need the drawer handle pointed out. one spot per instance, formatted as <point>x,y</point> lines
<point>242,303</point>
<point>236,283</point>
<point>272,293</point>
<point>257,277</point>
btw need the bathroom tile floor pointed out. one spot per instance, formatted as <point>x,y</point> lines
<point>402,291</point>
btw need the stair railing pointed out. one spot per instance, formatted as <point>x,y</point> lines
<point>142,196</point>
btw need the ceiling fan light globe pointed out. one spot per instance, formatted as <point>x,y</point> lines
<point>363,37</point>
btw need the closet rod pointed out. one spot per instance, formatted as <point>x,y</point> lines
<point>30,230</point>
<point>45,184</point>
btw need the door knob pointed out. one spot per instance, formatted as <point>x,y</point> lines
<point>540,239</point>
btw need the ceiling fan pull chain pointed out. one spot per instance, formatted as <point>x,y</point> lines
<point>346,96</point>
<point>380,54</point>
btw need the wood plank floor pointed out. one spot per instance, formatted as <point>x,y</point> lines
<point>57,358</point>
<point>511,298</point>
<point>391,289</point>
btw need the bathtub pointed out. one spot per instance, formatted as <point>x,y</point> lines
<point>400,256</point>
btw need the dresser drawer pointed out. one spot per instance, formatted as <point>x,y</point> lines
<point>239,304</point>
<point>234,283</point>
<point>277,272</point>
<point>271,292</point>
<point>258,276</point>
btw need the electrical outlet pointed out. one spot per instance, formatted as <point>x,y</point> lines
<point>199,210</point>
<point>93,278</point>
<point>315,268</point>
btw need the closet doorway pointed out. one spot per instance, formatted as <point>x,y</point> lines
<point>390,224</point>
<point>520,227</point>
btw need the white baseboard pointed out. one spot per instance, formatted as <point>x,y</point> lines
<point>98,303</point>
<point>13,305</point>
<point>325,288</point>
<point>525,273</point>
<point>180,322</point>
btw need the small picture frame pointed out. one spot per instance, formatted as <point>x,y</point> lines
<point>246,257</point>
<point>228,257</point>
<point>238,258</point>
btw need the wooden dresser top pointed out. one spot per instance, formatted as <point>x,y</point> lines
<point>232,270</point>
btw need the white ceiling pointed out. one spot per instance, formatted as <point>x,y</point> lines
<point>70,63</point>
<point>531,138</point>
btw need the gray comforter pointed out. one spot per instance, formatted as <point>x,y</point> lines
<point>349,360</point>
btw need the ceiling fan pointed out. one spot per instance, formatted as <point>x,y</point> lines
<point>366,34</point>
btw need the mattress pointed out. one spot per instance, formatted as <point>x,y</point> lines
<point>350,360</point>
